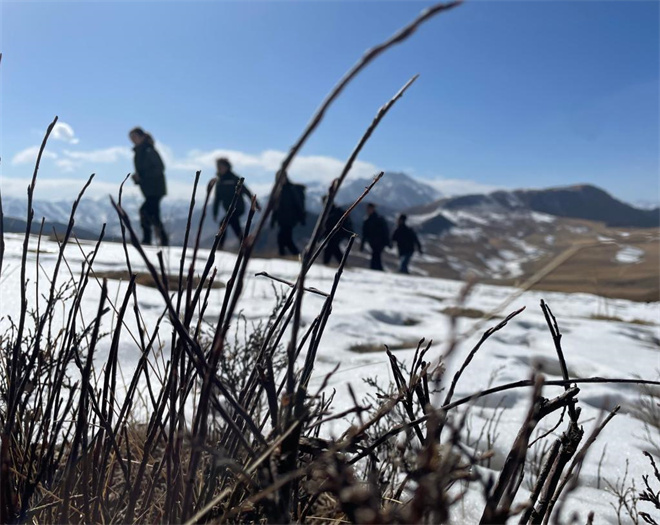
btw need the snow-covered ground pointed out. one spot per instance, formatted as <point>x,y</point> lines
<point>374,309</point>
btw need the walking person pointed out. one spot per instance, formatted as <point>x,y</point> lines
<point>150,176</point>
<point>375,232</point>
<point>225,188</point>
<point>406,240</point>
<point>289,211</point>
<point>333,248</point>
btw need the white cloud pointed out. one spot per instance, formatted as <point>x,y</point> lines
<point>100,156</point>
<point>304,168</point>
<point>29,156</point>
<point>64,188</point>
<point>69,188</point>
<point>62,131</point>
<point>66,165</point>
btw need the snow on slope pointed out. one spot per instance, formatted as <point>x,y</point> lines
<point>629,255</point>
<point>373,308</point>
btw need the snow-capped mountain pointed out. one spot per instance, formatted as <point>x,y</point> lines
<point>582,201</point>
<point>395,191</point>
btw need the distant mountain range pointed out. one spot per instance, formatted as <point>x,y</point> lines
<point>502,236</point>
<point>395,193</point>
<point>581,201</point>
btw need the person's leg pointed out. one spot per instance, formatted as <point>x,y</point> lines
<point>281,243</point>
<point>145,222</point>
<point>404,262</point>
<point>376,263</point>
<point>331,250</point>
<point>289,241</point>
<point>336,251</point>
<point>379,261</point>
<point>235,224</point>
<point>154,212</point>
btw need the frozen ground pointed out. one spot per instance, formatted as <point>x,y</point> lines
<point>372,309</point>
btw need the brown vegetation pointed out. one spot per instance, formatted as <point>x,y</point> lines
<point>146,279</point>
<point>233,432</point>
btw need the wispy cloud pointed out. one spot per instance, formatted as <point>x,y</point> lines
<point>29,156</point>
<point>64,132</point>
<point>69,188</point>
<point>70,161</point>
<point>305,167</point>
<point>99,156</point>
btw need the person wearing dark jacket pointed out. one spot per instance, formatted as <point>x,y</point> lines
<point>406,240</point>
<point>150,176</point>
<point>288,212</point>
<point>333,249</point>
<point>377,234</point>
<point>225,188</point>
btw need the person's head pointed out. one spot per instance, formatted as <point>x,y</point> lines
<point>371,208</point>
<point>402,219</point>
<point>223,165</point>
<point>138,136</point>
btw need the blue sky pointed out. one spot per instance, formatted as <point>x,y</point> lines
<point>510,94</point>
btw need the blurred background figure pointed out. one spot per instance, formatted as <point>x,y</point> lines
<point>406,240</point>
<point>150,176</point>
<point>333,249</point>
<point>225,188</point>
<point>375,232</point>
<point>288,212</point>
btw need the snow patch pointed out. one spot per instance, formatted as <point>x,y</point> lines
<point>629,255</point>
<point>542,217</point>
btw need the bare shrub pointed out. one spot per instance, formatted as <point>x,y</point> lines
<point>228,429</point>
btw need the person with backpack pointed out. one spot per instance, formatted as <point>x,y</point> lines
<point>288,212</point>
<point>406,240</point>
<point>225,188</point>
<point>376,232</point>
<point>150,176</point>
<point>333,248</point>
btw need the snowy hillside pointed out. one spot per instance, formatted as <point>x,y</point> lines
<point>373,309</point>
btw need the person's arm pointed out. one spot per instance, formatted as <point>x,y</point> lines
<point>250,195</point>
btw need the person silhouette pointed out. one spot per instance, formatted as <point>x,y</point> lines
<point>406,240</point>
<point>333,248</point>
<point>288,212</point>
<point>225,188</point>
<point>377,234</point>
<point>150,177</point>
